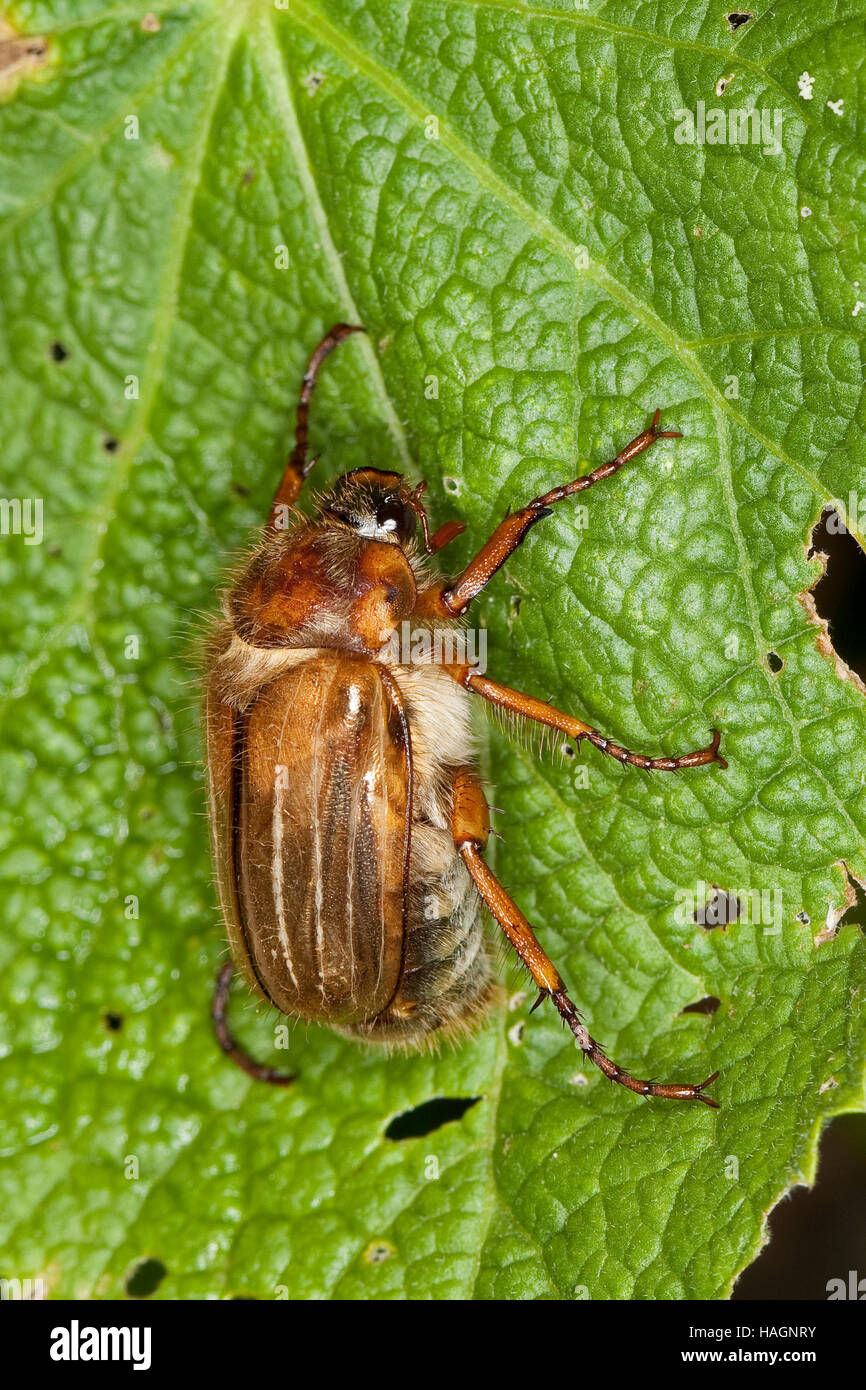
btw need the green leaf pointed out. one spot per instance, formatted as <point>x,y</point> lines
<point>539,267</point>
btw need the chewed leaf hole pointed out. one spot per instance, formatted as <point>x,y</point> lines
<point>840,594</point>
<point>703,1006</point>
<point>737,18</point>
<point>775,662</point>
<point>145,1278</point>
<point>719,911</point>
<point>433,1114</point>
<point>113,1022</point>
<point>57,352</point>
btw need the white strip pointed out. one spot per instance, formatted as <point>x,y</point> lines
<point>277,875</point>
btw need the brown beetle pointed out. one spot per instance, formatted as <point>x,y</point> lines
<point>348,818</point>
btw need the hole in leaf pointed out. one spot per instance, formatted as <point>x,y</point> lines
<point>774,661</point>
<point>703,1006</point>
<point>57,352</point>
<point>145,1278</point>
<point>110,444</point>
<point>433,1114</point>
<point>113,1022</point>
<point>853,909</point>
<point>840,594</point>
<point>737,19</point>
<point>719,911</point>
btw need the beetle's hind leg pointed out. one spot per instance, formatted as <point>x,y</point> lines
<point>470,827</point>
<point>298,465</point>
<point>219,1009</point>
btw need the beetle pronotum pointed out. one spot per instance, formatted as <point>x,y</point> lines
<point>348,819</point>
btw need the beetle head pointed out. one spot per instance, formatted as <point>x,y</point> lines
<point>375,504</point>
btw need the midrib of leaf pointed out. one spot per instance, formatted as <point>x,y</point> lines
<point>548,232</point>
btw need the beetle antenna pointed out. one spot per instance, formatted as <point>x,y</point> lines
<point>298,459</point>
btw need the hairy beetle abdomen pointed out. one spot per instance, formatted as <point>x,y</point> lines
<point>446,982</point>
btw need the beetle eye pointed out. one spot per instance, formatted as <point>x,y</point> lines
<point>392,515</point>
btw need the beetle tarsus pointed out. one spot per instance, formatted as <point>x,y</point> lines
<point>669,1090</point>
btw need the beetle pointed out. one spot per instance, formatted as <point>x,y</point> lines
<point>348,818</point>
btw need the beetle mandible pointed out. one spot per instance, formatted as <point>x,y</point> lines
<point>348,819</point>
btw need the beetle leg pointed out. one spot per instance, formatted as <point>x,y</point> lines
<point>510,533</point>
<point>219,1008</point>
<point>470,828</point>
<point>298,466</point>
<point>528,707</point>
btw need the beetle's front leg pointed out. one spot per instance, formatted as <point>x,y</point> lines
<point>470,828</point>
<point>453,599</point>
<point>528,707</point>
<point>259,1071</point>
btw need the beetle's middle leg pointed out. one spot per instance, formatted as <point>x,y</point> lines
<point>528,707</point>
<point>259,1071</point>
<point>470,828</point>
<point>298,465</point>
